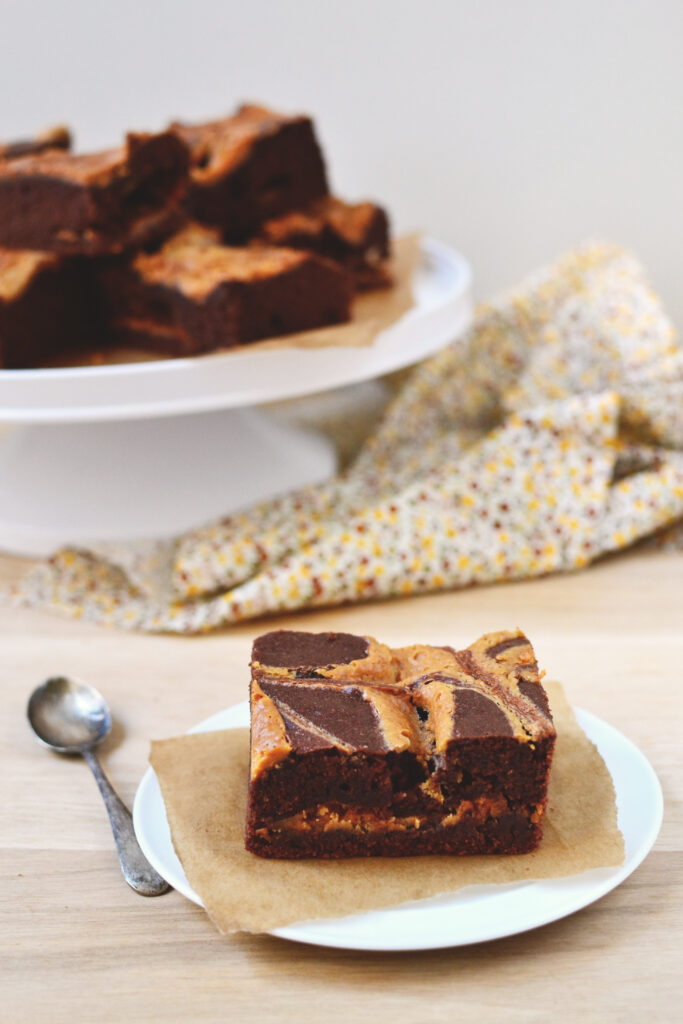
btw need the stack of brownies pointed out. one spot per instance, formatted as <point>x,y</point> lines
<point>199,237</point>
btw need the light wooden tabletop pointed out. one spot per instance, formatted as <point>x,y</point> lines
<point>78,945</point>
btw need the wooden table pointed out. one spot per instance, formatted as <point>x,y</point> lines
<point>78,945</point>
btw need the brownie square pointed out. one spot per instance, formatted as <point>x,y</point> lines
<point>47,307</point>
<point>354,235</point>
<point>249,167</point>
<point>195,295</point>
<point>95,203</point>
<point>358,749</point>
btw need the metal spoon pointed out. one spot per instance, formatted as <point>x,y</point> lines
<point>71,717</point>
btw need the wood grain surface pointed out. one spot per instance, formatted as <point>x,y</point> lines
<point>78,945</point>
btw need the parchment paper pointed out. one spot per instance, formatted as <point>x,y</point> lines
<point>372,312</point>
<point>203,779</point>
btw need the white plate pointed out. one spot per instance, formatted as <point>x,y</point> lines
<point>475,914</point>
<point>247,376</point>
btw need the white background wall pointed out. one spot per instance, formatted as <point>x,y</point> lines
<point>512,128</point>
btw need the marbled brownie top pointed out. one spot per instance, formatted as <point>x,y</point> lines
<point>93,170</point>
<point>336,690</point>
<point>196,266</point>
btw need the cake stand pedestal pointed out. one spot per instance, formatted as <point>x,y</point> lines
<point>67,483</point>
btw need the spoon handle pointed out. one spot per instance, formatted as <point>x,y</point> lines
<point>137,870</point>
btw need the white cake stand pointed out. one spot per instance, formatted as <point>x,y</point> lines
<point>112,452</point>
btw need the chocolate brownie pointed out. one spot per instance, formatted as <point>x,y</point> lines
<point>95,203</point>
<point>358,749</point>
<point>357,236</point>
<point>249,167</point>
<point>194,295</point>
<point>46,307</point>
<point>58,137</point>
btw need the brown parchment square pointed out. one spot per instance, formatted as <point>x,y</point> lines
<point>203,779</point>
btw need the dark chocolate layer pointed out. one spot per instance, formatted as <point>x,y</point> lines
<point>535,693</point>
<point>477,715</point>
<point>290,649</point>
<point>506,645</point>
<point>341,712</point>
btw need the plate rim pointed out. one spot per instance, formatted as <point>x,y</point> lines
<point>603,879</point>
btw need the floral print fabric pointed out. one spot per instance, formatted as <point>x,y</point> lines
<point>549,434</point>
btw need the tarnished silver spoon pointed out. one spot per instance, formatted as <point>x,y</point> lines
<point>71,717</point>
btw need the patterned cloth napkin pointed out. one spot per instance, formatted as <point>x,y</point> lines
<point>550,434</point>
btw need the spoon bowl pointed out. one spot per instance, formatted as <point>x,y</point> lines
<point>69,716</point>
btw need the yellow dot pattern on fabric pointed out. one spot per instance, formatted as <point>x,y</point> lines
<point>550,434</point>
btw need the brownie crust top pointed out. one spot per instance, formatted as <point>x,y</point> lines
<point>218,147</point>
<point>91,169</point>
<point>84,168</point>
<point>197,270</point>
